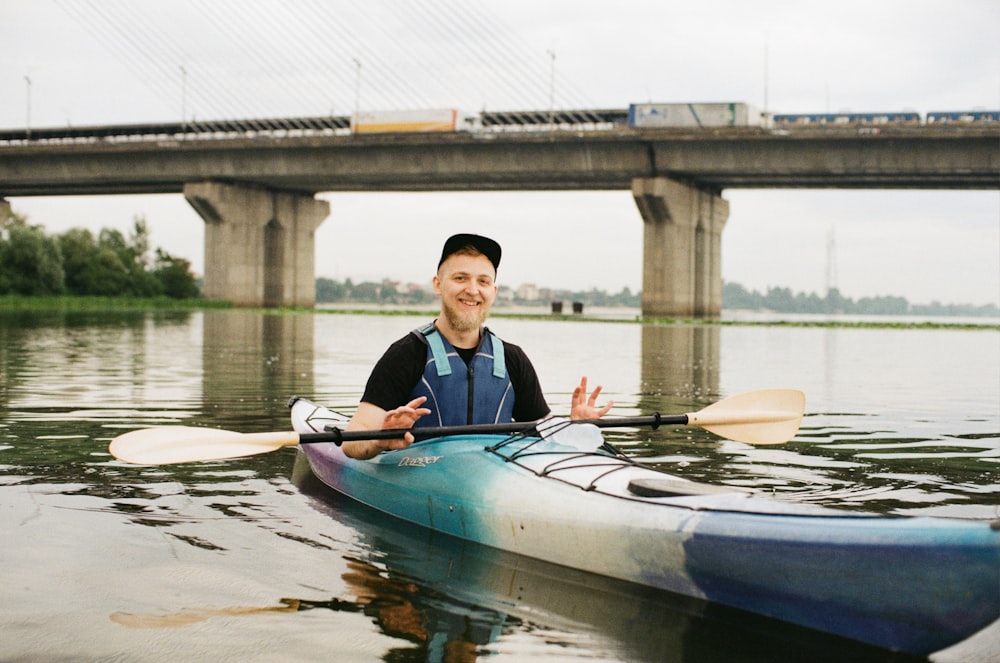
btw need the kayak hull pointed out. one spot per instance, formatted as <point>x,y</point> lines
<point>914,585</point>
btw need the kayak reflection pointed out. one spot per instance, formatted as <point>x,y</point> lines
<point>443,629</point>
<point>453,598</point>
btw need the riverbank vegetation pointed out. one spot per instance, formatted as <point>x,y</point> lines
<point>734,297</point>
<point>78,263</point>
<point>102,303</point>
<point>37,269</point>
<point>783,300</point>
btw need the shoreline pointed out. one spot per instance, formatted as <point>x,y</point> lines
<point>729,317</point>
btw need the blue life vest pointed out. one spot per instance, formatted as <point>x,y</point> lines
<point>479,392</point>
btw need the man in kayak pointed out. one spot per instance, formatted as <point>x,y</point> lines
<point>455,371</point>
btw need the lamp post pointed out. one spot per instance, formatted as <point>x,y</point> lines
<point>765,117</point>
<point>183,100</point>
<point>552,86</point>
<point>357,87</point>
<point>27,112</point>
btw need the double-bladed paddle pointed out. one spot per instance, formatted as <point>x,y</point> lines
<point>767,416</point>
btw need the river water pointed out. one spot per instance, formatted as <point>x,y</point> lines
<point>251,559</point>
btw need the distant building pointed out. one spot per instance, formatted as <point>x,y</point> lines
<point>528,292</point>
<point>413,288</point>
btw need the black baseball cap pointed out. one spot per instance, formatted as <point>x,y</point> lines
<point>484,245</point>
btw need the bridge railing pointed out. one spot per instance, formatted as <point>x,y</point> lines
<point>525,121</point>
<point>497,121</point>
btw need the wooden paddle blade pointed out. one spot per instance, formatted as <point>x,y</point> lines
<point>766,416</point>
<point>167,445</point>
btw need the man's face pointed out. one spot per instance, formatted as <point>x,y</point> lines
<point>467,287</point>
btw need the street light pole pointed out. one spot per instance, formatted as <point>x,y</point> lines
<point>766,74</point>
<point>357,87</point>
<point>183,100</point>
<point>27,118</point>
<point>552,87</point>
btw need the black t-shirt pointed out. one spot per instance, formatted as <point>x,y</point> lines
<point>399,370</point>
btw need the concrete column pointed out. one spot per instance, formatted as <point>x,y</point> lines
<point>682,256</point>
<point>713,214</point>
<point>5,211</point>
<point>259,244</point>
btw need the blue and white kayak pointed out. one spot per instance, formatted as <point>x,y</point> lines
<point>909,584</point>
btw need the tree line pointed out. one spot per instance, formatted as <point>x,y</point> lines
<point>734,297</point>
<point>392,292</point>
<point>77,262</point>
<point>783,300</point>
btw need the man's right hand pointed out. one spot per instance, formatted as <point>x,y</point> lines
<point>372,417</point>
<point>404,416</point>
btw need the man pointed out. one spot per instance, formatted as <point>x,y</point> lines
<point>455,371</point>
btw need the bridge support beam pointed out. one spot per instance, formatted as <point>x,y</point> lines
<point>260,247</point>
<point>682,248</point>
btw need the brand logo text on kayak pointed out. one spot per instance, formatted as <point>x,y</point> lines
<point>421,461</point>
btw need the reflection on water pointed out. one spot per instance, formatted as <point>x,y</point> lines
<point>892,423</point>
<point>680,361</point>
<point>249,558</point>
<point>455,600</point>
<point>253,363</point>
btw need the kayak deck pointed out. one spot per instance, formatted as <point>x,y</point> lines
<point>909,584</point>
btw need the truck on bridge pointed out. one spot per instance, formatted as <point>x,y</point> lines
<point>696,115</point>
<point>408,121</point>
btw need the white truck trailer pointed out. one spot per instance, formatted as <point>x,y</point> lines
<point>713,114</point>
<point>411,121</point>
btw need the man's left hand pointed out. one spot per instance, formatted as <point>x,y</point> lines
<point>585,407</point>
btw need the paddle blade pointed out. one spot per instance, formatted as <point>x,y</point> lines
<point>766,416</point>
<point>167,445</point>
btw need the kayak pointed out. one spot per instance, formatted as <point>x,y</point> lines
<point>463,590</point>
<point>907,584</point>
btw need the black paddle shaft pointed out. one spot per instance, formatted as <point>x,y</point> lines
<point>339,436</point>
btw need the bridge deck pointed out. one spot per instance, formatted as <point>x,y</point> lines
<point>715,159</point>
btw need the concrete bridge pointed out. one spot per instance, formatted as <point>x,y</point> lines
<point>257,193</point>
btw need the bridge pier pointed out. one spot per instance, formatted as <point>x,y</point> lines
<point>260,247</point>
<point>682,248</point>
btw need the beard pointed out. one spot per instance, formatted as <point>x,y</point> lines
<point>463,320</point>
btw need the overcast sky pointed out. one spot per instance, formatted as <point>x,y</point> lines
<point>98,62</point>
